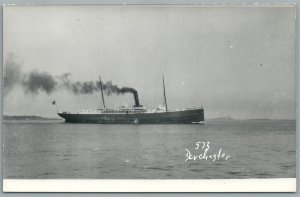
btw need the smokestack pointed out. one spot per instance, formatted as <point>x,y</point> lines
<point>136,99</point>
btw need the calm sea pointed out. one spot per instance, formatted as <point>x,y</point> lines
<point>53,149</point>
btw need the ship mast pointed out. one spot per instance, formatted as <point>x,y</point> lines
<point>165,97</point>
<point>101,88</point>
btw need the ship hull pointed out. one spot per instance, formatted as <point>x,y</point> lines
<point>172,117</point>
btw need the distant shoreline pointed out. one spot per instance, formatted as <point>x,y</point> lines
<point>27,117</point>
<point>32,117</point>
<point>250,119</point>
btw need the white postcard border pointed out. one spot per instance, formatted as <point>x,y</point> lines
<point>153,185</point>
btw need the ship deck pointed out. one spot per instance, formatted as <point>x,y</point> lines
<point>128,111</point>
<point>186,116</point>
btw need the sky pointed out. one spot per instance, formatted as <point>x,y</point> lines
<point>236,61</point>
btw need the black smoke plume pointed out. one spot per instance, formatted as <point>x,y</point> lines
<point>11,74</point>
<point>89,87</point>
<point>35,82</point>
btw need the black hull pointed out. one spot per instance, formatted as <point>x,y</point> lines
<point>172,117</point>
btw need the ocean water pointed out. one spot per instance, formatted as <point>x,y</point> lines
<point>56,150</point>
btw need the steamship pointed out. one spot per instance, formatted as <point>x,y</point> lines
<point>138,114</point>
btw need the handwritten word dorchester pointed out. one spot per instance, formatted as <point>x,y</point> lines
<point>201,152</point>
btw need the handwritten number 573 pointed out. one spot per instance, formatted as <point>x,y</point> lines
<point>204,144</point>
